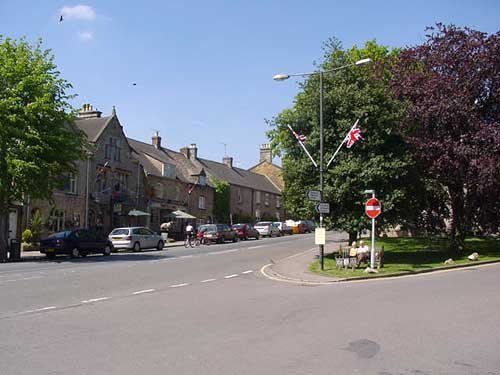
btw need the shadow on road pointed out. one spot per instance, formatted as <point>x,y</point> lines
<point>99,258</point>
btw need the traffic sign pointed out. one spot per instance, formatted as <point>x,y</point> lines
<point>314,195</point>
<point>373,208</point>
<point>323,208</point>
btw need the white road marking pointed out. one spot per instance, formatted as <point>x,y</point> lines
<point>144,291</point>
<point>186,256</point>
<point>208,280</point>
<point>95,300</point>
<point>228,251</point>
<point>231,276</point>
<point>46,308</point>
<point>179,285</point>
<point>255,247</point>
<point>245,272</point>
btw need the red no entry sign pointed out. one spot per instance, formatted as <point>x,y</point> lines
<point>372,208</point>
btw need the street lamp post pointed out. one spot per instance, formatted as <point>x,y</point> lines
<point>282,77</point>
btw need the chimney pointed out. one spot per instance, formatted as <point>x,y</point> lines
<point>156,140</point>
<point>190,152</point>
<point>88,111</point>
<point>228,160</point>
<point>193,151</point>
<point>265,153</point>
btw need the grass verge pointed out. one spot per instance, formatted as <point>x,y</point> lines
<point>411,255</point>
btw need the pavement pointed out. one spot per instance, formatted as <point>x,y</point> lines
<point>295,268</point>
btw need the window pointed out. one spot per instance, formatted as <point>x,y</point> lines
<point>56,220</point>
<point>278,201</point>
<point>201,202</point>
<point>113,149</point>
<point>202,180</point>
<point>168,170</point>
<point>266,200</point>
<point>239,196</point>
<point>257,215</point>
<point>257,197</point>
<point>123,181</point>
<point>70,183</point>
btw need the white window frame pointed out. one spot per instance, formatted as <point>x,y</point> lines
<point>201,202</point>
<point>278,201</point>
<point>257,197</point>
<point>202,180</point>
<point>72,183</point>
<point>266,199</point>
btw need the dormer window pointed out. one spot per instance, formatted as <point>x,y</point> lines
<point>202,180</point>
<point>168,170</point>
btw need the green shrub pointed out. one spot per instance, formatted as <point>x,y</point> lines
<point>37,225</point>
<point>27,236</point>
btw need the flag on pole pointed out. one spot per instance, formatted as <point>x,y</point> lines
<point>301,138</point>
<point>353,136</point>
<point>191,188</point>
<point>350,139</point>
<point>101,171</point>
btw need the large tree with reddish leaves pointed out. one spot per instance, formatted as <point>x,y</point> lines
<point>451,86</point>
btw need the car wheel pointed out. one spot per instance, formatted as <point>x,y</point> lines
<point>160,245</point>
<point>137,247</point>
<point>245,238</point>
<point>107,251</point>
<point>235,239</point>
<point>75,253</point>
<point>257,237</point>
<point>50,255</point>
<point>83,254</point>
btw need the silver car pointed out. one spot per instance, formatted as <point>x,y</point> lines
<point>267,228</point>
<point>135,238</point>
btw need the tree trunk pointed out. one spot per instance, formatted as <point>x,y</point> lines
<point>4,235</point>
<point>457,232</point>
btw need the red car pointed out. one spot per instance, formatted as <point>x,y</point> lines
<point>246,231</point>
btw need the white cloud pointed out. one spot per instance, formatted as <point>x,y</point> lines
<point>86,35</point>
<point>78,12</point>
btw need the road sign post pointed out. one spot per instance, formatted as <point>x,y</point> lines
<point>373,209</point>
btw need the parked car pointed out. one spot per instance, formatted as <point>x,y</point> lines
<point>308,226</point>
<point>246,231</point>
<point>135,238</point>
<point>267,228</point>
<point>218,233</point>
<point>283,227</point>
<point>75,243</point>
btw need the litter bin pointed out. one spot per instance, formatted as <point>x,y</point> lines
<point>15,250</point>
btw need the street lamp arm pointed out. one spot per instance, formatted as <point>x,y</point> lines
<point>282,77</point>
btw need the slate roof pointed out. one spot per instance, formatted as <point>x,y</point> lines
<point>186,169</point>
<point>92,127</point>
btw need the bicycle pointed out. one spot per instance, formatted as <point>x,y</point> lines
<point>191,242</point>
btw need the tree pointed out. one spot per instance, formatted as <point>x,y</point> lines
<point>381,161</point>
<point>451,88</point>
<point>38,141</point>
<point>221,200</point>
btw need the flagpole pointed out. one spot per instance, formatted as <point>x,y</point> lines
<point>304,148</point>
<point>343,141</point>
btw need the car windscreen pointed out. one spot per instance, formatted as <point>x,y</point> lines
<point>238,226</point>
<point>262,223</point>
<point>120,231</point>
<point>208,228</point>
<point>60,234</point>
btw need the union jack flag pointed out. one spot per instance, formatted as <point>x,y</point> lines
<point>191,188</point>
<point>353,136</point>
<point>101,171</point>
<point>300,137</point>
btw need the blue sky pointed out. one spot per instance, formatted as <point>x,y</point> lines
<point>203,68</point>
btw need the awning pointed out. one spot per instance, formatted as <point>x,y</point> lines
<point>138,213</point>
<point>181,215</point>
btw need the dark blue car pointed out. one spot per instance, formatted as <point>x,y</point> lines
<point>75,243</point>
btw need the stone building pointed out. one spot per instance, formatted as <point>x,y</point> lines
<point>267,168</point>
<point>106,186</point>
<point>177,188</point>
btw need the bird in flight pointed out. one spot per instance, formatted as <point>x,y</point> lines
<point>134,84</point>
<point>61,18</point>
